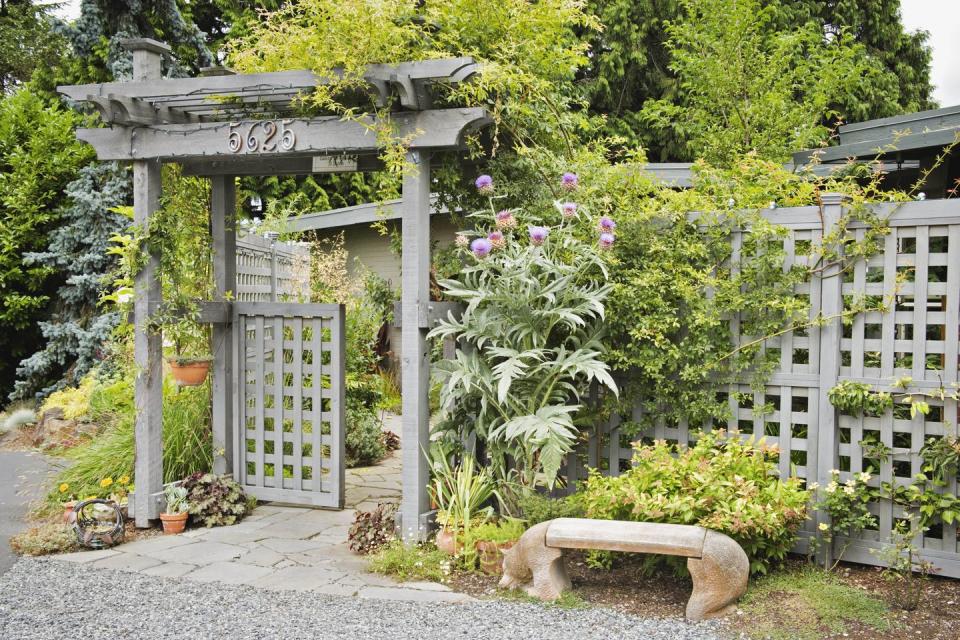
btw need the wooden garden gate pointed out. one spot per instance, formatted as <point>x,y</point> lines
<point>290,384</point>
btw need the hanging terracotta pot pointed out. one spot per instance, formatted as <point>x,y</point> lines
<point>189,373</point>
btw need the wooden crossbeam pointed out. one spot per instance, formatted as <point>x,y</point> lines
<point>409,79</point>
<point>267,139</point>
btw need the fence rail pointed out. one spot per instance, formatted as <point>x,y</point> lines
<point>918,272</point>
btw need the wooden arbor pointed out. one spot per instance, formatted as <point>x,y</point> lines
<point>222,126</point>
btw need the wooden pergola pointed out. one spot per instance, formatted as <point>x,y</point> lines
<point>227,125</point>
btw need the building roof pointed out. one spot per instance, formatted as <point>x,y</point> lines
<point>913,132</point>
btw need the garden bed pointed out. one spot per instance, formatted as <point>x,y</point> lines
<point>797,603</point>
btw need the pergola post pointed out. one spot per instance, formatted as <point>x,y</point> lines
<point>415,358</point>
<point>147,342</point>
<point>223,229</point>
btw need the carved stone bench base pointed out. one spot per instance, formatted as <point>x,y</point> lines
<point>718,565</point>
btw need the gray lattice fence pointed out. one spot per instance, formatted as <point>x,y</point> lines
<point>918,274</point>
<point>268,273</point>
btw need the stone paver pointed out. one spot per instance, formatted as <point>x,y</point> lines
<point>229,573</point>
<point>280,548</point>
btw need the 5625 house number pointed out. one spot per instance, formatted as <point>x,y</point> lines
<point>262,135</point>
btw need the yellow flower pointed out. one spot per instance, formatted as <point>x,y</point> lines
<point>124,480</point>
<point>90,498</point>
<point>106,482</point>
<point>64,487</point>
<point>824,526</point>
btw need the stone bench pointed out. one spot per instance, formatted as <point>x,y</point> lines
<point>718,564</point>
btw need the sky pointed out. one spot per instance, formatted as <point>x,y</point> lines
<point>940,17</point>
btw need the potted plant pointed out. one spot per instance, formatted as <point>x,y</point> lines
<point>461,495</point>
<point>68,502</point>
<point>190,362</point>
<point>175,516</point>
<point>493,538</point>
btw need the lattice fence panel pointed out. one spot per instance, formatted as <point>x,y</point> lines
<point>291,402</point>
<point>916,279</point>
<point>255,271</point>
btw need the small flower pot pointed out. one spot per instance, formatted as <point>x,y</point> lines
<point>174,522</point>
<point>445,542</point>
<point>491,556</point>
<point>68,516</point>
<point>189,373</point>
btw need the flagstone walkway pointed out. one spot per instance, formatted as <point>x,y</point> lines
<point>284,548</point>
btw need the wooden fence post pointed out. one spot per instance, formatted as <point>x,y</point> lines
<point>415,358</point>
<point>223,228</point>
<point>831,333</point>
<point>147,342</point>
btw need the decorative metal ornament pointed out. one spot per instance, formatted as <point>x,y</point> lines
<point>98,523</point>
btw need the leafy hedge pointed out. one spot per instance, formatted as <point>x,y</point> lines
<point>722,483</point>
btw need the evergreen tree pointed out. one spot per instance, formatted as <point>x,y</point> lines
<point>39,156</point>
<point>631,62</point>
<point>27,41</point>
<point>70,325</point>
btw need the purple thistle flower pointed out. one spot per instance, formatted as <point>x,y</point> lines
<point>538,234</point>
<point>568,209</point>
<point>484,184</point>
<point>505,219</point>
<point>569,181</point>
<point>462,241</point>
<point>496,239</point>
<point>480,247</point>
<point>607,224</point>
<point>606,240</point>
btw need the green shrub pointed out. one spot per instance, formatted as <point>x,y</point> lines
<point>505,530</point>
<point>722,483</point>
<point>364,436</point>
<point>413,562</point>
<point>213,500</point>
<point>45,539</point>
<point>537,508</point>
<point>372,529</point>
<point>187,439</point>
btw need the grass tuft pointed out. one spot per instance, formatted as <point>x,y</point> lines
<point>414,562</point>
<point>807,603</point>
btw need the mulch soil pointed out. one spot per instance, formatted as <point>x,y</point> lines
<point>625,588</point>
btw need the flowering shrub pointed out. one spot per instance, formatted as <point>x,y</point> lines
<point>722,483</point>
<point>534,293</point>
<point>846,505</point>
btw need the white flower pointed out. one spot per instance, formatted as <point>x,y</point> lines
<point>848,490</point>
<point>814,486</point>
<point>865,477</point>
<point>830,488</point>
<point>823,526</point>
<point>834,472</point>
<point>124,298</point>
<point>851,482</point>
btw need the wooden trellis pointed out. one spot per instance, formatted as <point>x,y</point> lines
<point>227,125</point>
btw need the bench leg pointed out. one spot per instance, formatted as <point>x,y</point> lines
<point>532,558</point>
<point>719,577</point>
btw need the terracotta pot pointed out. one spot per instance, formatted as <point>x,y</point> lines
<point>189,373</point>
<point>68,512</point>
<point>174,522</point>
<point>445,542</point>
<point>491,555</point>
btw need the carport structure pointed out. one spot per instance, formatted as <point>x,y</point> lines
<point>269,376</point>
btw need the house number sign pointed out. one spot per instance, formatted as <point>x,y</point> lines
<point>261,135</point>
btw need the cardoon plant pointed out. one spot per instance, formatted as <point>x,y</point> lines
<point>530,336</point>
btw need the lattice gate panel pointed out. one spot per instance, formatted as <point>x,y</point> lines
<point>290,402</point>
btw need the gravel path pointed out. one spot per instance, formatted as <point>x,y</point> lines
<point>42,598</point>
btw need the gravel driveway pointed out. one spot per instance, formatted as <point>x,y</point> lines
<point>42,598</point>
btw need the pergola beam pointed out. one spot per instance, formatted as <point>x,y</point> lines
<point>330,135</point>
